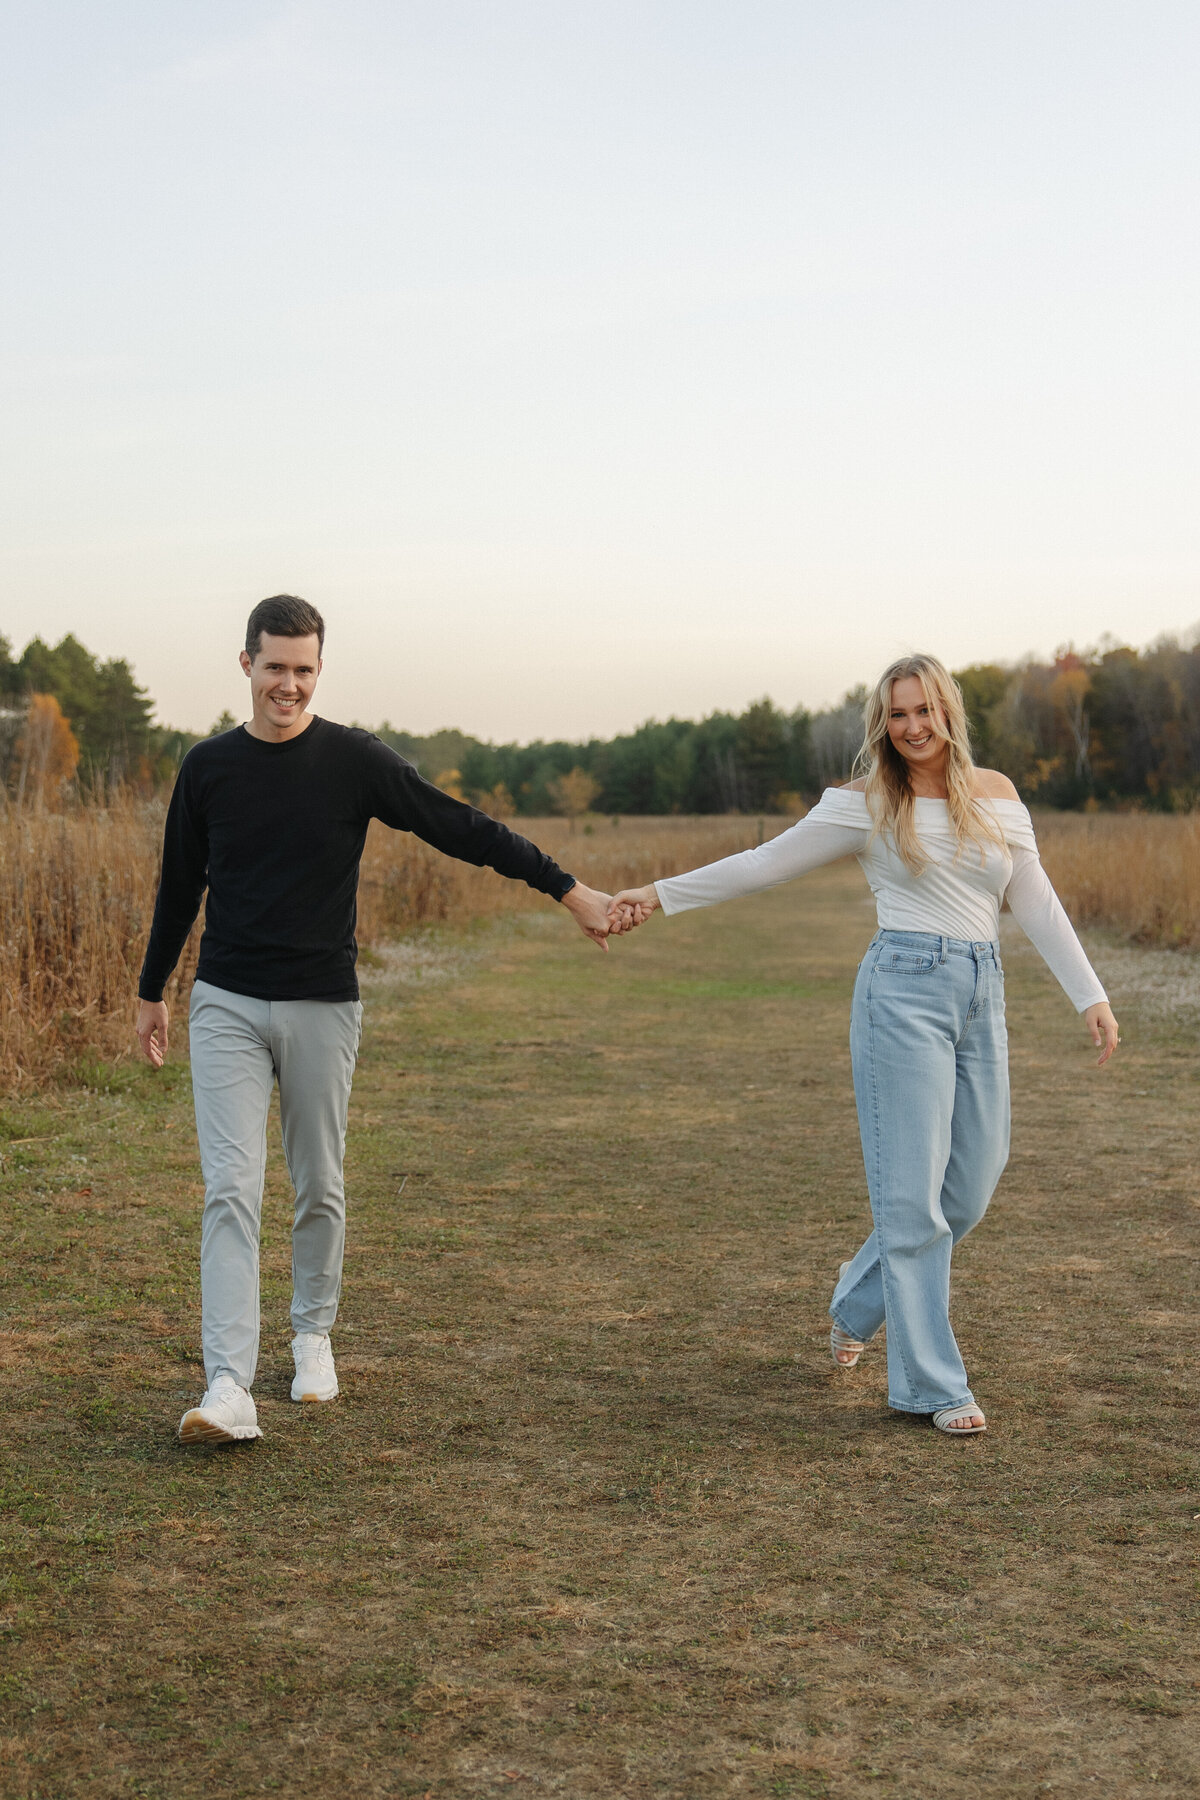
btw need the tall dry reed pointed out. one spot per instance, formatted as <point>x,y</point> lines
<point>1136,873</point>
<point>76,895</point>
<point>77,892</point>
<point>405,883</point>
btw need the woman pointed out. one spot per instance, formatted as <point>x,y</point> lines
<point>941,843</point>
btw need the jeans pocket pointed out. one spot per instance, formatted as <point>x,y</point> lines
<point>910,962</point>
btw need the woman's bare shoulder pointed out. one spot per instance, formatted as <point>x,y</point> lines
<point>990,784</point>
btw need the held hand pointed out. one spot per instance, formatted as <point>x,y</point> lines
<point>152,1031</point>
<point>590,909</point>
<point>632,907</point>
<point>1104,1030</point>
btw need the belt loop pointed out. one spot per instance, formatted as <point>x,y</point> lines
<point>944,950</point>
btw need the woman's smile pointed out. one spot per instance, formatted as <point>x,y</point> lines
<point>913,726</point>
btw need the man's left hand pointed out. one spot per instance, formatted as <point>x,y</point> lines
<point>590,910</point>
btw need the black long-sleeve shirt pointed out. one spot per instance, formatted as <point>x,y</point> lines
<point>276,834</point>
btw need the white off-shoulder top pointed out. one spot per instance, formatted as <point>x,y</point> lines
<point>957,894</point>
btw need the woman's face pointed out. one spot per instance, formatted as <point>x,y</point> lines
<point>910,728</point>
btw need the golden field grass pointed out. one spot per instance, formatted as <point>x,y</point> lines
<point>595,1515</point>
<point>1138,874</point>
<point>77,892</point>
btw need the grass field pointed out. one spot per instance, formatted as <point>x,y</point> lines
<point>77,896</point>
<point>77,893</point>
<point>595,1515</point>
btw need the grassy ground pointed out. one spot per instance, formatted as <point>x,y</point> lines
<point>595,1515</point>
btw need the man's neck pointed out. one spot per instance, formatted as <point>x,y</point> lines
<point>266,733</point>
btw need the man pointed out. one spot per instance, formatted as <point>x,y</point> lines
<point>272,817</point>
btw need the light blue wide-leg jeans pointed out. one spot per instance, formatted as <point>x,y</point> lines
<point>929,1050</point>
<point>239,1048</point>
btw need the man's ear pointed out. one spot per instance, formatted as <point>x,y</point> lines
<point>244,659</point>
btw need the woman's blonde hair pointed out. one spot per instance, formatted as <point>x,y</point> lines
<point>888,785</point>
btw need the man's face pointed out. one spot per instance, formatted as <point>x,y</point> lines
<point>282,678</point>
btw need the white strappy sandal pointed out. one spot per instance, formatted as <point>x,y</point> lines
<point>840,1342</point>
<point>943,1420</point>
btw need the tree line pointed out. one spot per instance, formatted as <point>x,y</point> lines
<point>1112,725</point>
<point>70,721</point>
<point>1109,726</point>
<point>1106,726</point>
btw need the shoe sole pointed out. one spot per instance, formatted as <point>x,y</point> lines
<point>309,1399</point>
<point>194,1428</point>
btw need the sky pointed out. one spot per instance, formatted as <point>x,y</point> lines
<point>586,364</point>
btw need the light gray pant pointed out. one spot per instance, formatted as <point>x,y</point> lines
<point>239,1047</point>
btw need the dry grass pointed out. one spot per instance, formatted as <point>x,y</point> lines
<point>405,883</point>
<point>77,892</point>
<point>76,897</point>
<point>1136,873</point>
<point>595,1516</point>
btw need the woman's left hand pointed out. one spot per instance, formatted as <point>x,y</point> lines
<point>1104,1030</point>
<point>632,907</point>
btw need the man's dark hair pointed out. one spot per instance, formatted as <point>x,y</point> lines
<point>283,616</point>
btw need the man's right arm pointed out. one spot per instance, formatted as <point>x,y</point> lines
<point>181,887</point>
<point>403,799</point>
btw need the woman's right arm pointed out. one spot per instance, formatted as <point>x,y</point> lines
<point>838,826</point>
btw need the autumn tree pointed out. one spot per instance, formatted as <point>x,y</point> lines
<point>572,794</point>
<point>47,753</point>
<point>108,712</point>
<point>498,803</point>
<point>1069,694</point>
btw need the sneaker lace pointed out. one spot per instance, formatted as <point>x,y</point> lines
<point>314,1347</point>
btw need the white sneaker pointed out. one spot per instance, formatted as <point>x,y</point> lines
<point>316,1377</point>
<point>226,1415</point>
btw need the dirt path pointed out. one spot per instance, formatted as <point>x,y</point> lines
<point>596,1516</point>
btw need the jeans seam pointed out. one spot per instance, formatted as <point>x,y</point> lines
<point>876,1151</point>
